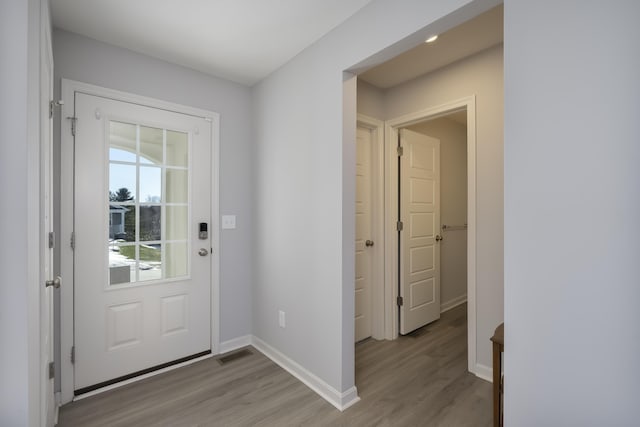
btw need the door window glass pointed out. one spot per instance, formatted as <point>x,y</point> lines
<point>148,203</point>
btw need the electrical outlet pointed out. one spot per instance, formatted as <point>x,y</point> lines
<point>281,319</point>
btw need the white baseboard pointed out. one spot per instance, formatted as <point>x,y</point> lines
<point>448,305</point>
<point>484,372</point>
<point>234,344</point>
<point>340,400</point>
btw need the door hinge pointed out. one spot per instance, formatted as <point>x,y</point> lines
<point>74,121</point>
<point>52,240</point>
<point>53,105</point>
<point>400,301</point>
<point>52,370</point>
<point>399,226</point>
<point>72,241</point>
<point>400,151</point>
<point>73,354</point>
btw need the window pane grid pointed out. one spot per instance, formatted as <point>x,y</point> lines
<point>153,250</point>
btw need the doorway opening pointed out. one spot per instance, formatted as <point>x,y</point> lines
<point>454,125</point>
<point>433,211</point>
<point>409,101</point>
<point>446,263</point>
<point>451,131</point>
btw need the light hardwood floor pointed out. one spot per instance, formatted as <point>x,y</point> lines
<point>418,380</point>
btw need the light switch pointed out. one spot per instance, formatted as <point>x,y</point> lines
<point>228,222</point>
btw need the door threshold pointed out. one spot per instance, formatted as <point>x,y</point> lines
<point>139,375</point>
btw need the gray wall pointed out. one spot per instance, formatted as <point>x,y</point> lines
<point>453,205</point>
<point>482,75</point>
<point>14,367</point>
<point>21,25</point>
<point>86,60</point>
<point>572,213</point>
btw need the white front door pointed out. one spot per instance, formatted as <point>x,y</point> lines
<point>420,216</point>
<point>142,268</point>
<point>364,253</point>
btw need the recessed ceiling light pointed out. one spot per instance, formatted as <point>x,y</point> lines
<point>431,39</point>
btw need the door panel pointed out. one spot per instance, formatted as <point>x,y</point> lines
<point>364,255</point>
<point>142,288</point>
<point>420,214</point>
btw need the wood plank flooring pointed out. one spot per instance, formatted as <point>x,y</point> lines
<point>416,380</point>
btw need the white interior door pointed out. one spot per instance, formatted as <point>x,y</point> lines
<point>420,216</point>
<point>47,407</point>
<point>142,269</point>
<point>364,242</point>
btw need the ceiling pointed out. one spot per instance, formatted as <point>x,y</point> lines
<point>239,40</point>
<point>475,35</point>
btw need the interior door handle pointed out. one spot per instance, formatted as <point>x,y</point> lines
<point>368,243</point>
<point>203,252</point>
<point>439,237</point>
<point>55,282</point>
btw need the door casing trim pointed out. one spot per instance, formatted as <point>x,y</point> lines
<point>69,88</point>
<point>392,128</point>
<point>45,211</point>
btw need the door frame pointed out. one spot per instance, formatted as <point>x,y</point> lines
<point>392,128</point>
<point>377,223</point>
<point>46,80</point>
<point>69,87</point>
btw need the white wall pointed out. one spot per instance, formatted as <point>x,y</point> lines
<point>20,28</point>
<point>453,205</point>
<point>86,60</point>
<point>572,213</point>
<point>480,74</point>
<point>305,192</point>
